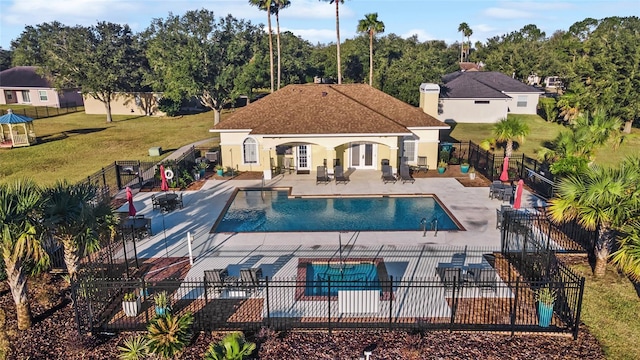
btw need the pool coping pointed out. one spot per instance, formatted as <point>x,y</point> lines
<point>289,190</point>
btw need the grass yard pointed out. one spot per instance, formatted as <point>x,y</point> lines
<point>541,133</point>
<point>76,145</point>
<point>610,309</point>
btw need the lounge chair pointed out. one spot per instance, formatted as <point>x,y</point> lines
<point>422,164</point>
<point>321,176</point>
<point>387,174</point>
<point>405,174</point>
<point>219,279</point>
<point>338,174</point>
<point>250,279</point>
<point>485,279</point>
<point>449,275</point>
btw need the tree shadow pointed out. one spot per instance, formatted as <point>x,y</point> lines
<point>66,134</point>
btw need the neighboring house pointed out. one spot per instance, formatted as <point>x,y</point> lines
<point>23,85</point>
<point>141,103</point>
<point>484,97</point>
<point>306,126</point>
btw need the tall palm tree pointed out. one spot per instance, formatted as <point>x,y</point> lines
<point>507,130</point>
<point>337,2</point>
<point>466,32</point>
<point>277,6</point>
<point>20,243</point>
<point>371,26</point>
<point>74,221</point>
<point>602,199</point>
<point>265,5</point>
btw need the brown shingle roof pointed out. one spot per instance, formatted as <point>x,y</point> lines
<point>328,109</point>
<point>23,76</point>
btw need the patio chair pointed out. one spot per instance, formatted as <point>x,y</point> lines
<point>506,194</point>
<point>494,188</point>
<point>155,202</point>
<point>485,279</point>
<point>321,176</point>
<point>387,175</point>
<point>219,279</point>
<point>405,174</point>
<point>448,275</point>
<point>179,201</point>
<point>250,279</point>
<point>338,174</point>
<point>422,164</point>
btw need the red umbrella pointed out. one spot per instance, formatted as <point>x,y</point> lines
<point>132,208</point>
<point>505,167</point>
<point>164,186</point>
<point>518,198</point>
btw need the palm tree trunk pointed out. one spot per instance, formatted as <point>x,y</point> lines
<point>462,49</point>
<point>602,250</point>
<point>270,47</point>
<point>370,57</point>
<point>17,281</point>
<point>338,43</point>
<point>71,257</point>
<point>278,44</point>
<point>508,149</point>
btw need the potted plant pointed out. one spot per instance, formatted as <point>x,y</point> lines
<point>162,303</point>
<point>546,298</point>
<point>219,170</point>
<point>464,166</point>
<point>472,173</point>
<point>442,166</point>
<point>202,167</point>
<point>131,304</point>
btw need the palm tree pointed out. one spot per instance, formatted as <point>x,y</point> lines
<point>372,26</point>
<point>20,243</point>
<point>265,5</point>
<point>74,221</point>
<point>466,32</point>
<point>506,130</point>
<point>337,2</point>
<point>598,129</point>
<point>602,199</point>
<point>277,6</point>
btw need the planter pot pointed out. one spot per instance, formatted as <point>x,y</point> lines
<point>545,312</point>
<point>132,308</point>
<point>220,172</point>
<point>196,176</point>
<point>202,173</point>
<point>464,168</point>
<point>161,311</point>
<point>441,170</point>
<point>472,176</point>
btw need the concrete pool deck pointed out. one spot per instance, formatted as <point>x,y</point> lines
<point>471,206</point>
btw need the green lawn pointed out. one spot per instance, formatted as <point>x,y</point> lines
<point>541,133</point>
<point>76,145</point>
<point>610,310</point>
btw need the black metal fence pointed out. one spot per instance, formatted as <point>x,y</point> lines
<point>535,174</point>
<point>39,112</point>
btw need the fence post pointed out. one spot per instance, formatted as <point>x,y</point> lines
<point>390,300</point>
<point>453,302</point>
<point>514,308</point>
<point>47,109</point>
<point>576,326</point>
<point>329,301</point>
<point>145,294</point>
<point>139,174</point>
<point>74,298</point>
<point>206,293</point>
<point>266,281</point>
<point>36,108</point>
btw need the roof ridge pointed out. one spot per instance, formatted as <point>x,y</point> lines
<point>368,107</point>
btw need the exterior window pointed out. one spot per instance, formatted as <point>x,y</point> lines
<point>481,102</point>
<point>522,101</point>
<point>409,149</point>
<point>25,96</point>
<point>250,149</point>
<point>43,95</point>
<point>8,95</point>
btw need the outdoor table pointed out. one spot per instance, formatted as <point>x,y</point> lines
<point>141,227</point>
<point>167,202</point>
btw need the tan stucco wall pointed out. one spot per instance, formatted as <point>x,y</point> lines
<point>532,103</point>
<point>329,147</point>
<point>467,111</point>
<point>124,104</point>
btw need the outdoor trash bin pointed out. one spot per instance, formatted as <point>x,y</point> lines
<point>155,151</point>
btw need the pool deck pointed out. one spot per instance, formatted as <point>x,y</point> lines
<point>471,206</point>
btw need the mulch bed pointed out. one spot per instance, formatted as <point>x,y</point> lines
<point>54,336</point>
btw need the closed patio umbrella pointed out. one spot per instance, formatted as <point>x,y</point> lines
<point>164,186</point>
<point>518,199</point>
<point>132,208</point>
<point>505,167</point>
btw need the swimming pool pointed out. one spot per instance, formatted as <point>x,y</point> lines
<point>276,211</point>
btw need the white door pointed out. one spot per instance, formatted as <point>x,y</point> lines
<point>304,157</point>
<point>363,155</point>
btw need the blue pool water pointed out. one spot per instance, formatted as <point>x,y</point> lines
<point>274,211</point>
<point>348,276</point>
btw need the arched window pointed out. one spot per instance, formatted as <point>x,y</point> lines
<point>250,149</point>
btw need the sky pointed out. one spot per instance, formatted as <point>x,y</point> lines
<point>314,20</point>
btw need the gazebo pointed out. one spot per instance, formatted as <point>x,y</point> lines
<point>16,130</point>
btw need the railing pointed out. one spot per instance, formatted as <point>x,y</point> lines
<point>39,112</point>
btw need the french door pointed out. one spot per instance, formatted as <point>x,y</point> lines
<point>363,155</point>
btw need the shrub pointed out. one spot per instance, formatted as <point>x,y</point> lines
<point>168,335</point>
<point>231,347</point>
<point>169,106</point>
<point>134,348</point>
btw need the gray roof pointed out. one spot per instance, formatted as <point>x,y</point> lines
<point>482,85</point>
<point>24,77</point>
